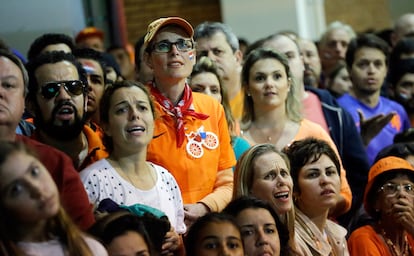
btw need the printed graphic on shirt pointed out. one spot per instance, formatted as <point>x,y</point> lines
<point>199,139</point>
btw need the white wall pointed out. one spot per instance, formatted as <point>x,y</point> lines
<point>256,19</point>
<point>21,21</point>
<point>399,7</point>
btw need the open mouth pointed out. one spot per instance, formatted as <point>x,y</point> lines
<point>282,195</point>
<point>135,129</point>
<point>327,192</point>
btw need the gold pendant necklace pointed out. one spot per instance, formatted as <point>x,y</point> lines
<point>393,249</point>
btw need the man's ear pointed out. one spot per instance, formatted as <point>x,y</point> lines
<point>239,56</point>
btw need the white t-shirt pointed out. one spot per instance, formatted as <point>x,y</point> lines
<point>102,181</point>
<point>54,247</point>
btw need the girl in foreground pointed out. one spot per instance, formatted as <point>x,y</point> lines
<point>32,221</point>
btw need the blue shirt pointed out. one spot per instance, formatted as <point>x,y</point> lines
<point>385,137</point>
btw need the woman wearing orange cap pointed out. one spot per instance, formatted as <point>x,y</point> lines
<point>389,200</point>
<point>192,137</point>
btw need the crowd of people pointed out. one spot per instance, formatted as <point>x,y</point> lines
<point>189,146</point>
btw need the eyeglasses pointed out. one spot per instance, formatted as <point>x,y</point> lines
<point>183,45</point>
<point>391,188</point>
<point>51,89</point>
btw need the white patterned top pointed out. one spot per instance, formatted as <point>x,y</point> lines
<point>101,181</point>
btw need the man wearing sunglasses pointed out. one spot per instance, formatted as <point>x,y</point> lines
<point>58,98</point>
<point>13,89</point>
<point>192,138</point>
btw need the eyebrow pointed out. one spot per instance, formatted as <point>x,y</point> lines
<point>29,168</point>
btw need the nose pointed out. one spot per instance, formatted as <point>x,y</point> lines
<point>174,49</point>
<point>224,251</point>
<point>63,94</point>
<point>323,179</point>
<point>133,113</point>
<point>269,81</point>
<point>211,55</point>
<point>261,238</point>
<point>35,189</point>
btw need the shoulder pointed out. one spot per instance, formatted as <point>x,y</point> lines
<point>96,168</point>
<point>336,229</point>
<point>96,247</point>
<point>203,101</point>
<point>162,171</point>
<point>363,232</point>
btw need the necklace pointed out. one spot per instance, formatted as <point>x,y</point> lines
<point>393,249</point>
<point>270,136</point>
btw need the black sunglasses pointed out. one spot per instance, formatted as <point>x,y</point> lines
<point>51,89</point>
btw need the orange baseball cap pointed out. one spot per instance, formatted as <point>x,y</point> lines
<point>156,25</point>
<point>384,165</point>
<point>89,32</point>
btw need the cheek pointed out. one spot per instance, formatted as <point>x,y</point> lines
<point>275,243</point>
<point>20,209</point>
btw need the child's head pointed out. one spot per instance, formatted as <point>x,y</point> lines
<point>123,233</point>
<point>29,194</point>
<point>214,234</point>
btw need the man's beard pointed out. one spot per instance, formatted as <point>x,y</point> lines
<point>64,132</point>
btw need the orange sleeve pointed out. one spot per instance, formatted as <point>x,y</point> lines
<point>365,242</point>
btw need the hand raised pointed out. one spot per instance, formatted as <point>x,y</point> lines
<point>372,126</point>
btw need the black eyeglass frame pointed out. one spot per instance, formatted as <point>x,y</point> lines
<point>188,43</point>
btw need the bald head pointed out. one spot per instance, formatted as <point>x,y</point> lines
<point>403,26</point>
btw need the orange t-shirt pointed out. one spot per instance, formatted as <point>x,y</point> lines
<point>236,105</point>
<point>364,241</point>
<point>202,167</point>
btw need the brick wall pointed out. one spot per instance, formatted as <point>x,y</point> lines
<point>361,15</point>
<point>139,13</point>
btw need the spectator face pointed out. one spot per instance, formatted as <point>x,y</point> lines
<point>219,238</point>
<point>319,185</point>
<point>96,83</point>
<point>216,48</point>
<point>394,196</point>
<point>341,83</point>
<point>260,235</point>
<point>122,58</point>
<point>334,48</point>
<point>312,62</point>
<point>268,84</point>
<point>65,110</point>
<point>129,243</point>
<point>368,70</point>
<point>175,64</point>
<point>272,182</point>
<point>287,46</point>
<point>11,93</point>
<point>206,83</point>
<point>131,122</point>
<point>28,191</point>
<point>404,91</point>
